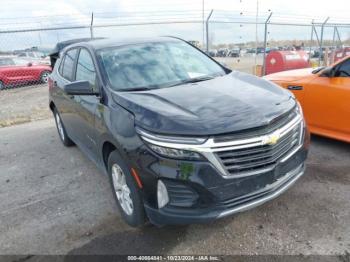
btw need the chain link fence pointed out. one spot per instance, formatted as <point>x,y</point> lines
<point>242,44</point>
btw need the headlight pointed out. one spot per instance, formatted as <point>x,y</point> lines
<point>175,153</point>
<point>172,146</point>
<point>299,109</point>
<point>302,123</point>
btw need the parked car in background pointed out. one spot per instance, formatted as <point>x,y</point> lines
<point>235,52</point>
<point>35,57</point>
<point>250,50</point>
<point>182,138</point>
<point>222,52</point>
<point>260,50</point>
<point>213,53</point>
<point>324,94</point>
<point>16,71</point>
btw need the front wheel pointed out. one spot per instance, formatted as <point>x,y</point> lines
<point>125,191</point>
<point>61,130</point>
<point>44,77</point>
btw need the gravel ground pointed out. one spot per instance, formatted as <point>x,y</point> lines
<point>23,104</point>
<point>54,201</point>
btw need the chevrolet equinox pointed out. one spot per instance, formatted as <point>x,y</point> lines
<point>182,138</point>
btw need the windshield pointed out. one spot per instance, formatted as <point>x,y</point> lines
<point>318,69</point>
<point>156,65</point>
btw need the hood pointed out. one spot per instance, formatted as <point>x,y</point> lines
<point>224,104</point>
<point>292,75</point>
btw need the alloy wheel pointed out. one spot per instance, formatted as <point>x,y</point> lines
<point>122,190</point>
<point>59,126</point>
<point>45,77</point>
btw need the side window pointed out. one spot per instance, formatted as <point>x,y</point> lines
<point>60,69</point>
<point>86,69</point>
<point>68,64</point>
<point>344,69</point>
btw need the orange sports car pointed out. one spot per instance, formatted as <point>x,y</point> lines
<point>324,94</point>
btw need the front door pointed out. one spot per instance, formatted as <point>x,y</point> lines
<point>327,105</point>
<point>86,105</point>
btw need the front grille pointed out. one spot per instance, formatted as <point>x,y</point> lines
<point>259,158</point>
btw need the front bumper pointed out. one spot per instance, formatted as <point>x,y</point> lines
<point>171,215</point>
<point>202,191</point>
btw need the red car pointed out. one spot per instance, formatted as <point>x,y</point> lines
<point>15,71</point>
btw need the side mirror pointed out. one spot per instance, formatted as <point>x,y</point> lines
<point>327,72</point>
<point>29,64</point>
<point>79,88</point>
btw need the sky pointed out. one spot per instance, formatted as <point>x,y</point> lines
<point>25,14</point>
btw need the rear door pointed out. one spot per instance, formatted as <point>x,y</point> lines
<point>327,105</point>
<point>64,102</point>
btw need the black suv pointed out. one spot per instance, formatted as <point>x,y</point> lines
<point>182,138</point>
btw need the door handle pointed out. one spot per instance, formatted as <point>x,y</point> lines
<point>295,87</point>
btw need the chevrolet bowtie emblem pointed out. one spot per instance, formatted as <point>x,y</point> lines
<point>271,139</point>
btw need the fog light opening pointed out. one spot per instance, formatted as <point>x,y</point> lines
<point>162,194</point>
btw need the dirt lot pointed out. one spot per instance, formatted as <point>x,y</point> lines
<point>23,104</point>
<point>54,201</point>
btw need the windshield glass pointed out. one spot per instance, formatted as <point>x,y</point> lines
<point>156,65</point>
<point>318,69</point>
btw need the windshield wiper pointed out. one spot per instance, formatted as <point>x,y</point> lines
<point>193,80</point>
<point>141,88</point>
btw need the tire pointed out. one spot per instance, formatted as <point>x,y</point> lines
<point>2,86</point>
<point>135,215</point>
<point>44,77</point>
<point>61,130</point>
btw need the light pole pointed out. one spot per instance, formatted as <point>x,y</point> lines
<point>203,23</point>
<point>256,34</point>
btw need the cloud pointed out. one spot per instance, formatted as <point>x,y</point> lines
<point>53,13</point>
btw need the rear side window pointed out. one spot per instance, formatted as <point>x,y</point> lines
<point>68,64</point>
<point>86,69</point>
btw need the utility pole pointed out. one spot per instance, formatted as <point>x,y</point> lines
<point>40,40</point>
<point>265,43</point>
<point>256,34</point>
<point>207,30</point>
<point>312,38</point>
<point>321,42</point>
<point>203,24</point>
<point>92,26</point>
